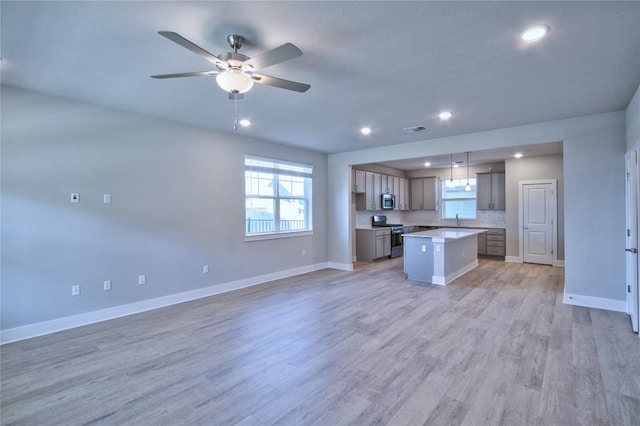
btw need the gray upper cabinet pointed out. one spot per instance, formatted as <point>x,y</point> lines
<point>490,191</point>
<point>359,179</point>
<point>401,190</point>
<point>424,193</point>
<point>372,192</point>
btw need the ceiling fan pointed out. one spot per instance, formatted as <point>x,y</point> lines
<point>236,72</point>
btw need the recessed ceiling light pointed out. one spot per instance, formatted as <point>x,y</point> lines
<point>455,166</point>
<point>365,130</point>
<point>445,115</point>
<point>534,33</point>
<point>427,164</point>
<point>518,155</point>
<point>245,123</point>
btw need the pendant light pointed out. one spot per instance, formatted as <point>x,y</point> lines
<point>450,183</point>
<point>467,188</point>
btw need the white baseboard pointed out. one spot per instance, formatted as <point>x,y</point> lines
<point>595,302</point>
<point>60,324</point>
<point>444,280</point>
<point>340,266</point>
<point>518,259</point>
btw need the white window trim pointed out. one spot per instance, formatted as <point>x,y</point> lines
<point>308,198</point>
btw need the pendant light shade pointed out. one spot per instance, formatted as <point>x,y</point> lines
<point>450,183</point>
<point>467,188</point>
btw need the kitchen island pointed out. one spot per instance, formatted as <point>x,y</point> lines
<point>440,256</point>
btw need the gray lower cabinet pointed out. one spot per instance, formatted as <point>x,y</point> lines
<point>373,244</point>
<point>492,243</point>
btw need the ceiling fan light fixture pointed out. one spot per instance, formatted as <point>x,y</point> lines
<point>234,81</point>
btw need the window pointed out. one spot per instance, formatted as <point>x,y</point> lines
<point>277,197</point>
<point>457,201</point>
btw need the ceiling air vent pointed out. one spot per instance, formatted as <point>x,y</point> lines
<point>414,129</point>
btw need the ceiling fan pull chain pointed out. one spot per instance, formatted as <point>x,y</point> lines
<point>235,114</point>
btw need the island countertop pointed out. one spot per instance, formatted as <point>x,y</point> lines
<point>445,234</point>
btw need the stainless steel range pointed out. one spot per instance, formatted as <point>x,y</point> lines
<point>396,233</point>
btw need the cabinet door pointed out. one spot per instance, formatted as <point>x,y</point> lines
<point>398,193</point>
<point>380,247</point>
<point>497,191</point>
<point>369,191</point>
<point>387,245</point>
<point>483,191</point>
<point>377,191</point>
<point>405,193</point>
<point>429,194</point>
<point>482,244</point>
<point>402,197</point>
<point>416,194</point>
<point>387,184</point>
<point>359,181</point>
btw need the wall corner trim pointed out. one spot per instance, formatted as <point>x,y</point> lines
<point>595,302</point>
<point>60,324</point>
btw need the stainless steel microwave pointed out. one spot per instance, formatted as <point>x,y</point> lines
<point>388,201</point>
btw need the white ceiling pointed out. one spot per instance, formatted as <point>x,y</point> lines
<point>387,65</point>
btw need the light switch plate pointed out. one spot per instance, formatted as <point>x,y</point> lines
<point>107,198</point>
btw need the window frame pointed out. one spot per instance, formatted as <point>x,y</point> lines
<point>460,183</point>
<point>280,168</point>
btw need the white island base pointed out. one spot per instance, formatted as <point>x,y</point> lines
<point>440,256</point>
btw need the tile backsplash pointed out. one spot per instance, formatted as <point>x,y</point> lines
<point>485,218</point>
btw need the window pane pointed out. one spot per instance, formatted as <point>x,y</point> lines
<point>278,196</point>
<point>458,190</point>
<point>260,215</point>
<point>259,183</point>
<point>292,215</point>
<point>465,209</point>
<point>291,186</point>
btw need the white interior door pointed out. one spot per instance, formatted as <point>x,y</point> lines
<point>538,207</point>
<point>631,201</point>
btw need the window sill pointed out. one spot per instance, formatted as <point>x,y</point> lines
<point>276,235</point>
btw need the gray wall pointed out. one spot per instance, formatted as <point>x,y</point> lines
<point>177,204</point>
<point>531,168</point>
<point>593,164</point>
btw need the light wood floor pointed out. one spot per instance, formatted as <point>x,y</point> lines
<point>497,346</point>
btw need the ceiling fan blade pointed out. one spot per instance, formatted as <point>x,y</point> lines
<point>186,74</point>
<point>177,38</point>
<point>271,57</point>
<point>278,82</point>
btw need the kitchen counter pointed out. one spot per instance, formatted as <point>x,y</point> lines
<point>440,256</point>
<point>446,234</point>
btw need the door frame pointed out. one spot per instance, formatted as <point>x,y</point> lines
<point>632,224</point>
<point>554,217</point>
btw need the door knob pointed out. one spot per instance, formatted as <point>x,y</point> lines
<point>632,250</point>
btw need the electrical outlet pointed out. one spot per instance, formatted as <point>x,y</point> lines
<point>75,290</point>
<point>106,198</point>
<point>75,197</point>
<point>107,285</point>
<point>142,279</point>
<point>304,252</point>
<point>205,269</point>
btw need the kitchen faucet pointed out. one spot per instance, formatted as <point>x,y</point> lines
<point>458,220</point>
